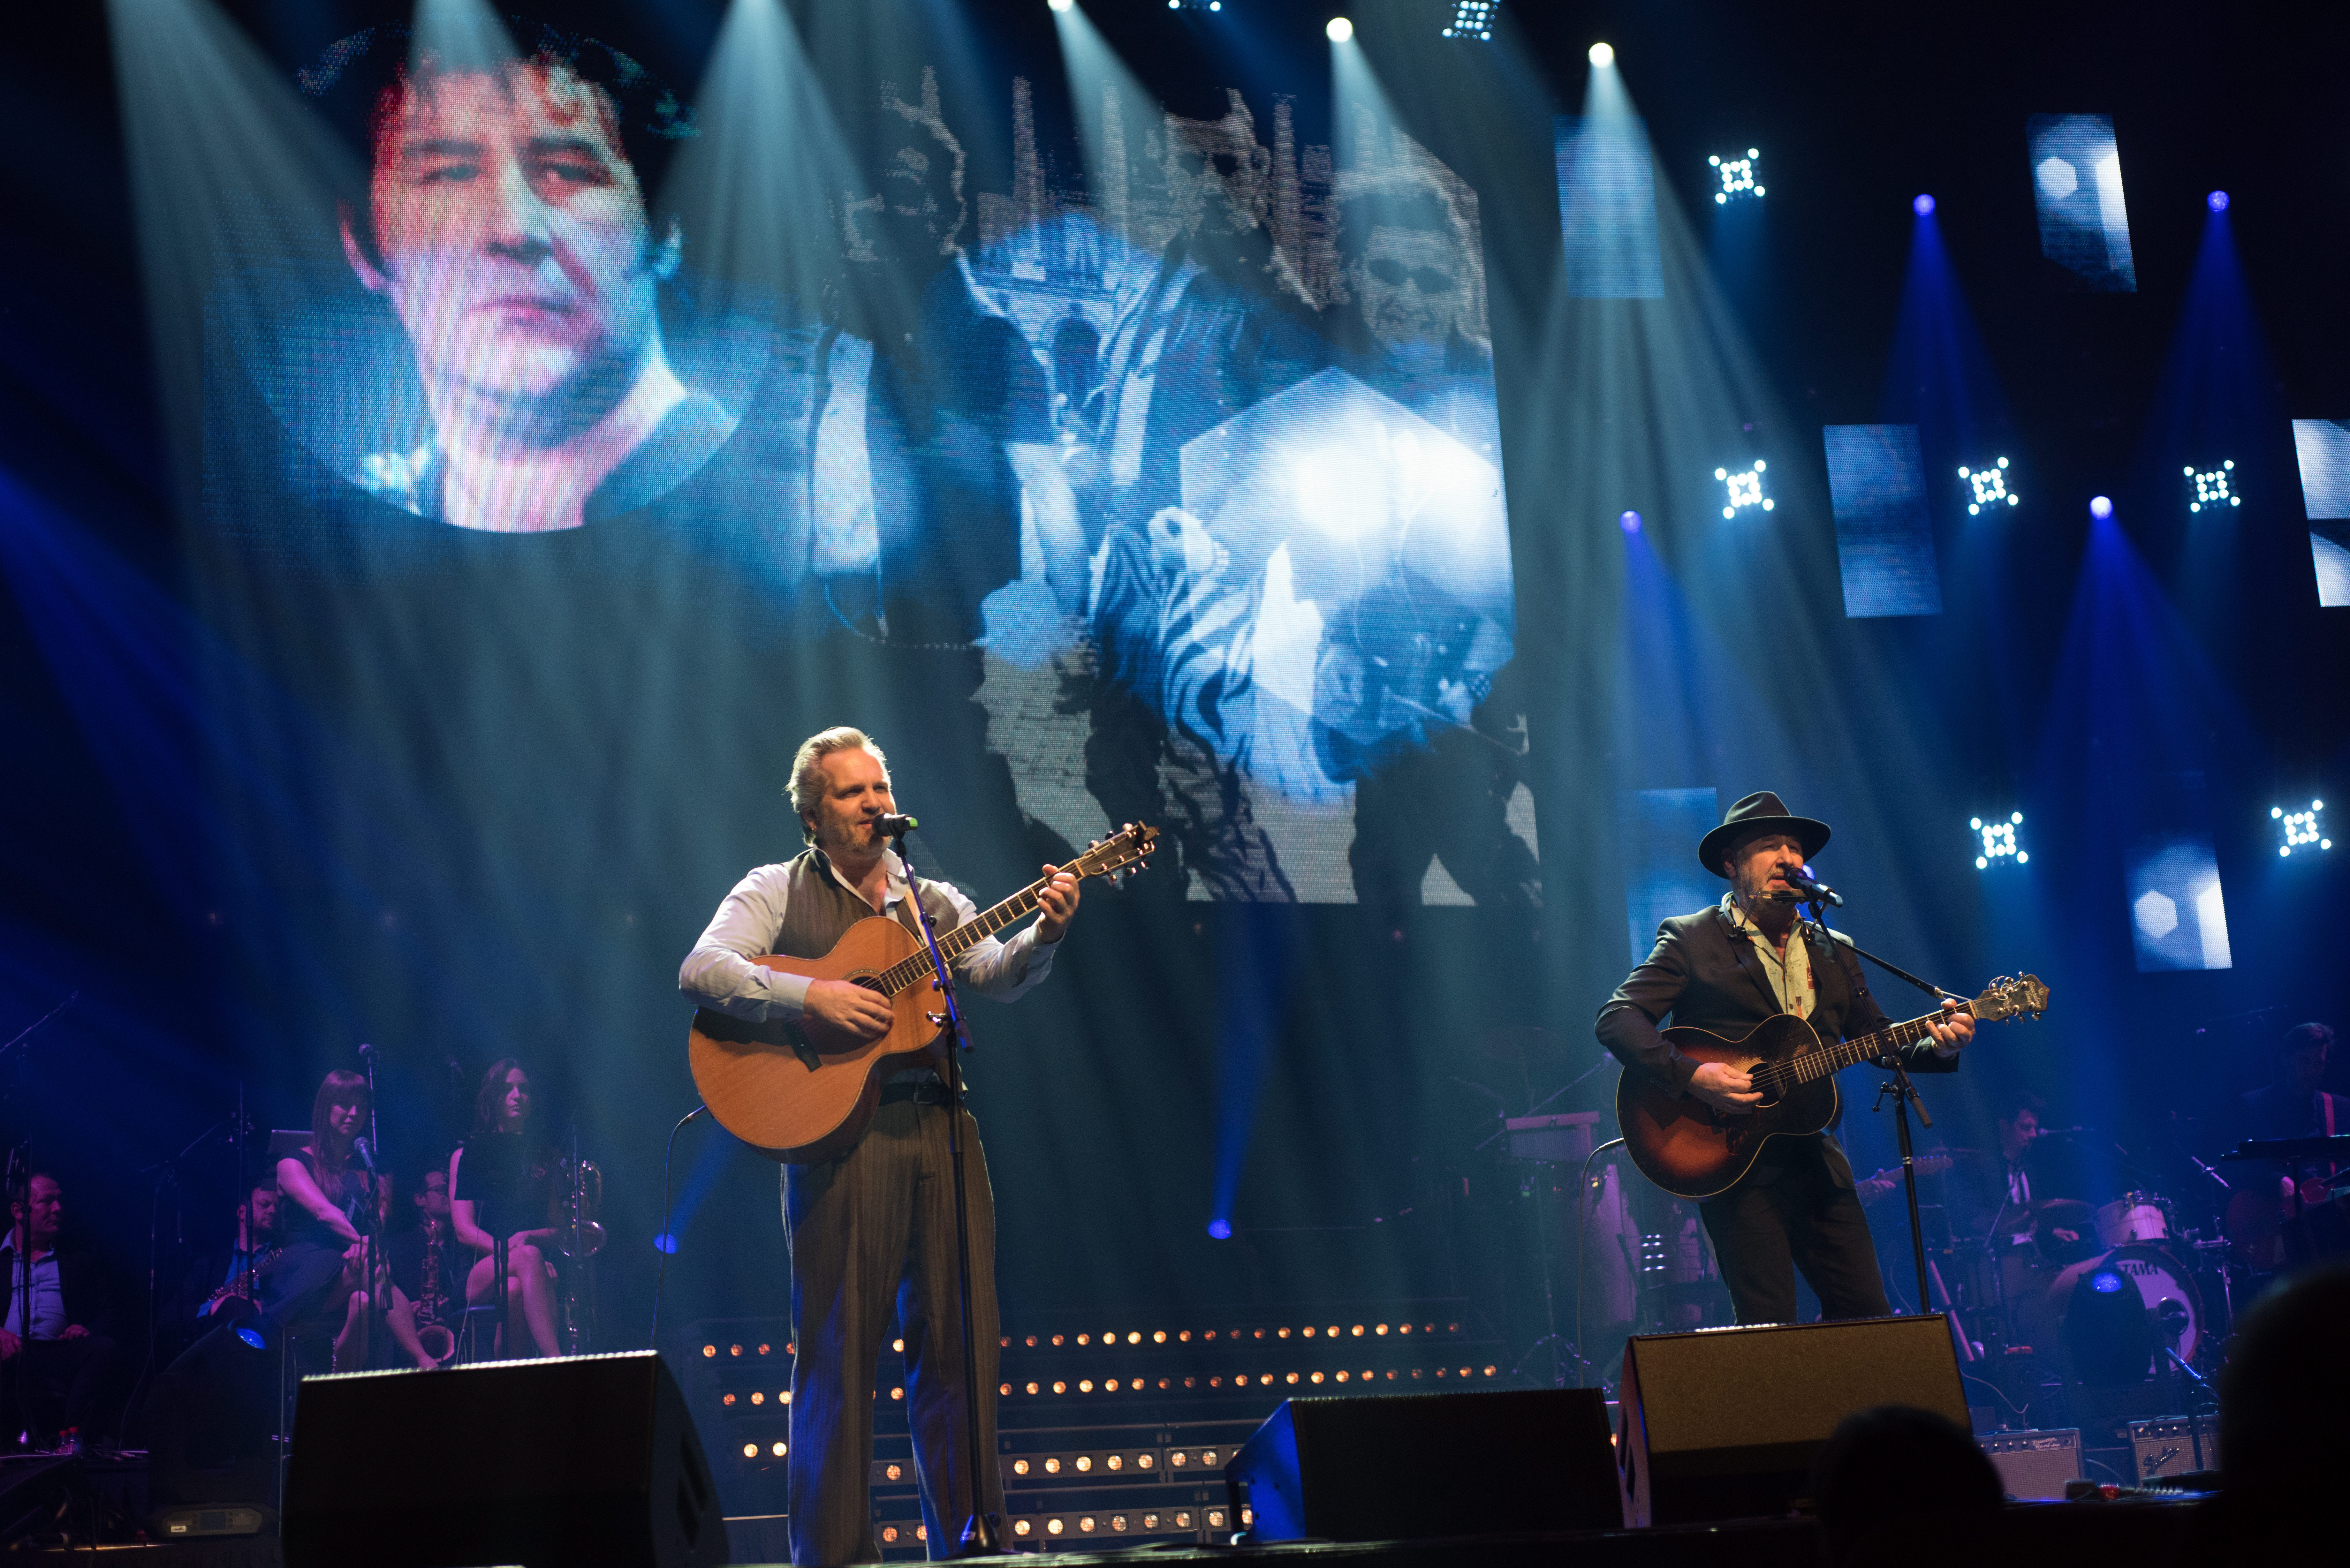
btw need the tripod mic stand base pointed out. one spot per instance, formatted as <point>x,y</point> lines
<point>983,1536</point>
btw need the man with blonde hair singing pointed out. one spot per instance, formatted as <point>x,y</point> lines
<point>873,1229</point>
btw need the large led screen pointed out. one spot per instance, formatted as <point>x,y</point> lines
<point>2323,447</point>
<point>1885,534</point>
<point>1180,500</point>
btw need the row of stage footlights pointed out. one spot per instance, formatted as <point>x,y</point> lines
<point>1082,1526</point>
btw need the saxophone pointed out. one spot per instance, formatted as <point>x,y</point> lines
<point>433,1335</point>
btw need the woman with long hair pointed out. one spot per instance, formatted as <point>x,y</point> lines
<point>315,1289</point>
<point>511,1190</point>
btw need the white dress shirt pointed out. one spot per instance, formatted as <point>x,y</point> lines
<point>718,973</point>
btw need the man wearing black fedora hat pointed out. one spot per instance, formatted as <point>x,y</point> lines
<point>1726,968</point>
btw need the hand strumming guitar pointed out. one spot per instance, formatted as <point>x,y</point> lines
<point>841,1015</point>
<point>1724,1087</point>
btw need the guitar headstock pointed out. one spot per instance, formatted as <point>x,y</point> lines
<point>2023,997</point>
<point>1127,850</point>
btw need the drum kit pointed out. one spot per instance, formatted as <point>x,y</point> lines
<point>2019,1291</point>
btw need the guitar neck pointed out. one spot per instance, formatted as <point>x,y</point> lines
<point>1869,1047</point>
<point>979,928</point>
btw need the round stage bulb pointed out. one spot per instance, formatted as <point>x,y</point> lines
<point>1060,4</point>
<point>2100,508</point>
<point>2216,201</point>
<point>1923,206</point>
<point>1602,56</point>
<point>1339,29</point>
<point>1630,522</point>
<point>1221,1230</point>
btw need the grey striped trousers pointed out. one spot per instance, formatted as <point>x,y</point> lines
<point>868,1230</point>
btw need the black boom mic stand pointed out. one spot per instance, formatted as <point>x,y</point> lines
<point>982,1532</point>
<point>1904,1093</point>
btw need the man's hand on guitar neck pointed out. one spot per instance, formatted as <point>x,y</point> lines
<point>839,1016</point>
<point>1058,899</point>
<point>1724,1087</point>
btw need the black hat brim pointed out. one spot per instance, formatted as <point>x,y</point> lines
<point>1714,847</point>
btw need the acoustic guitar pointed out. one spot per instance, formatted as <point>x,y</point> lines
<point>799,1100</point>
<point>1692,1150</point>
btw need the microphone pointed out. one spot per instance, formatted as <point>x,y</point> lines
<point>895,824</point>
<point>1811,889</point>
<point>366,1155</point>
<point>366,1050</point>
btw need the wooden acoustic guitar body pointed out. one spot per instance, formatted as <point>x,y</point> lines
<point>1692,1150</point>
<point>771,1086</point>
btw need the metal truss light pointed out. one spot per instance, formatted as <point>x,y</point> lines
<point>1998,841</point>
<point>1745,488</point>
<point>1988,487</point>
<point>1737,176</point>
<point>2300,828</point>
<point>2213,487</point>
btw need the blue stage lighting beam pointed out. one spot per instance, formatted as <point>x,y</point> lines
<point>1885,531</point>
<point>2077,183</point>
<point>1607,197</point>
<point>2323,450</point>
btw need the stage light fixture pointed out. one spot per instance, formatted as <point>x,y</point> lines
<point>1340,29</point>
<point>1630,522</point>
<point>1061,5</point>
<point>1737,176</point>
<point>2300,828</point>
<point>1999,843</point>
<point>2213,486</point>
<point>1923,206</point>
<point>2216,201</point>
<point>2100,507</point>
<point>1472,19</point>
<point>1603,56</point>
<point>1221,1230</point>
<point>1745,488</point>
<point>1988,487</point>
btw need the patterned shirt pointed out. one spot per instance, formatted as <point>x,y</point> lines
<point>1788,972</point>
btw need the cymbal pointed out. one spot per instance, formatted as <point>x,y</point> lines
<point>2056,1211</point>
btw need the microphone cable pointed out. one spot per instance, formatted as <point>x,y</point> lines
<point>664,1243</point>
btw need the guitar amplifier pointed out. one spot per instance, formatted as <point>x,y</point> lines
<point>2168,1448</point>
<point>2035,1466</point>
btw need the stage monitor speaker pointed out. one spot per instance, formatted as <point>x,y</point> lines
<point>1724,1423</point>
<point>2035,1466</point>
<point>212,1435</point>
<point>576,1462</point>
<point>1415,1466</point>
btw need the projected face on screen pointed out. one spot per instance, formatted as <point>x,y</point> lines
<point>506,227</point>
<point>488,326</point>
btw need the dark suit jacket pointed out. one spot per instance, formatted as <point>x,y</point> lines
<point>88,1292</point>
<point>1703,973</point>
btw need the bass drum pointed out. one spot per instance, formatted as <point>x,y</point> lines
<point>2166,1286</point>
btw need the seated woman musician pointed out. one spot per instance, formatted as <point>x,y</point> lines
<point>499,1183</point>
<point>314,1292</point>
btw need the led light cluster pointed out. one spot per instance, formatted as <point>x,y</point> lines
<point>1472,19</point>
<point>1745,488</point>
<point>2212,486</point>
<point>1988,487</point>
<point>1737,176</point>
<point>2300,828</point>
<point>1998,841</point>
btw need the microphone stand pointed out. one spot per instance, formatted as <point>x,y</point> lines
<point>1905,1094</point>
<point>982,1533</point>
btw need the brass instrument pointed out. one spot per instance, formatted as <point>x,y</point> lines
<point>577,1197</point>
<point>436,1338</point>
